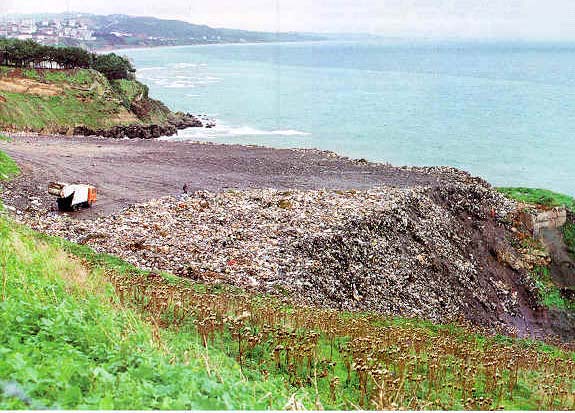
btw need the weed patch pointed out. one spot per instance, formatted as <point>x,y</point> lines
<point>539,196</point>
<point>66,343</point>
<point>350,360</point>
<point>8,168</point>
<point>569,237</point>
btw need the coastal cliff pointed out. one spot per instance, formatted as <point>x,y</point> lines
<point>83,102</point>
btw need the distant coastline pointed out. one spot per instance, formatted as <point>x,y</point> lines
<point>113,49</point>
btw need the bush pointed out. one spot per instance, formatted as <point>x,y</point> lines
<point>114,67</point>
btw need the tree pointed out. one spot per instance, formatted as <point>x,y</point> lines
<point>114,67</point>
<point>14,52</point>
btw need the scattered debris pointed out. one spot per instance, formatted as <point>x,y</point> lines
<point>409,251</point>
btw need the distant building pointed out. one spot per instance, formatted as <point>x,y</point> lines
<point>46,31</point>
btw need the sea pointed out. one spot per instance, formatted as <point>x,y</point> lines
<point>504,111</point>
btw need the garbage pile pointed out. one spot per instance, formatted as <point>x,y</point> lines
<point>422,251</point>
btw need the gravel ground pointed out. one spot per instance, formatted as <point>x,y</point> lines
<point>130,171</point>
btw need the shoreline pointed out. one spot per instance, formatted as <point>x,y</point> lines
<point>179,46</point>
<point>129,171</point>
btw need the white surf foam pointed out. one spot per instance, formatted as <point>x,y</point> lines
<point>226,131</point>
<point>246,130</point>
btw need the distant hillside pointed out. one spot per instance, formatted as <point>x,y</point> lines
<point>129,31</point>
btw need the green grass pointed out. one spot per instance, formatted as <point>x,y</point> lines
<point>31,74</point>
<point>66,342</point>
<point>569,237</point>
<point>52,113</point>
<point>77,77</point>
<point>539,196</point>
<point>8,167</point>
<point>549,294</point>
<point>85,98</point>
<point>130,89</point>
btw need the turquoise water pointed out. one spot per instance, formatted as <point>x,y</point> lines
<point>503,111</point>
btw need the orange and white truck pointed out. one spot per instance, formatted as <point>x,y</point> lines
<point>73,196</point>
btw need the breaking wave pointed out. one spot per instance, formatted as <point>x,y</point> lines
<point>246,130</point>
<point>221,131</point>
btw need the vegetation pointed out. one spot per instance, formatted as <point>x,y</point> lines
<point>55,89</point>
<point>539,196</point>
<point>29,54</point>
<point>67,343</point>
<point>550,295</point>
<point>114,67</point>
<point>70,98</point>
<point>82,330</point>
<point>8,167</point>
<point>569,237</point>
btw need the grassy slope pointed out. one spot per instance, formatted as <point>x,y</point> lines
<point>8,167</point>
<point>86,330</point>
<point>85,98</point>
<point>66,342</point>
<point>539,196</point>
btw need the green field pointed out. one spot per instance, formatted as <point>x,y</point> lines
<point>82,330</point>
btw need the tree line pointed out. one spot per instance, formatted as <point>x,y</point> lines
<point>28,53</point>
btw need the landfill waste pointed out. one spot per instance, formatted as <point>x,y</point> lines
<point>433,252</point>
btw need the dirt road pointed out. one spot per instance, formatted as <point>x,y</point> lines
<point>130,171</point>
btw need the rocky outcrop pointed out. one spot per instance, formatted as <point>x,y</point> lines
<point>175,122</point>
<point>131,131</point>
<point>185,120</point>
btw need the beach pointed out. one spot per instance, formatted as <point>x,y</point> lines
<point>130,171</point>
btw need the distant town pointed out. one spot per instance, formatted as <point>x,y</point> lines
<point>47,31</point>
<point>95,32</point>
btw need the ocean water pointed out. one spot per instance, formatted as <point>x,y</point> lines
<point>504,111</point>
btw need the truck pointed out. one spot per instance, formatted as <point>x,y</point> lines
<point>71,197</point>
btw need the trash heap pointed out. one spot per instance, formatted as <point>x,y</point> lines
<point>421,251</point>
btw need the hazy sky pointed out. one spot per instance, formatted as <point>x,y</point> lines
<point>529,19</point>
